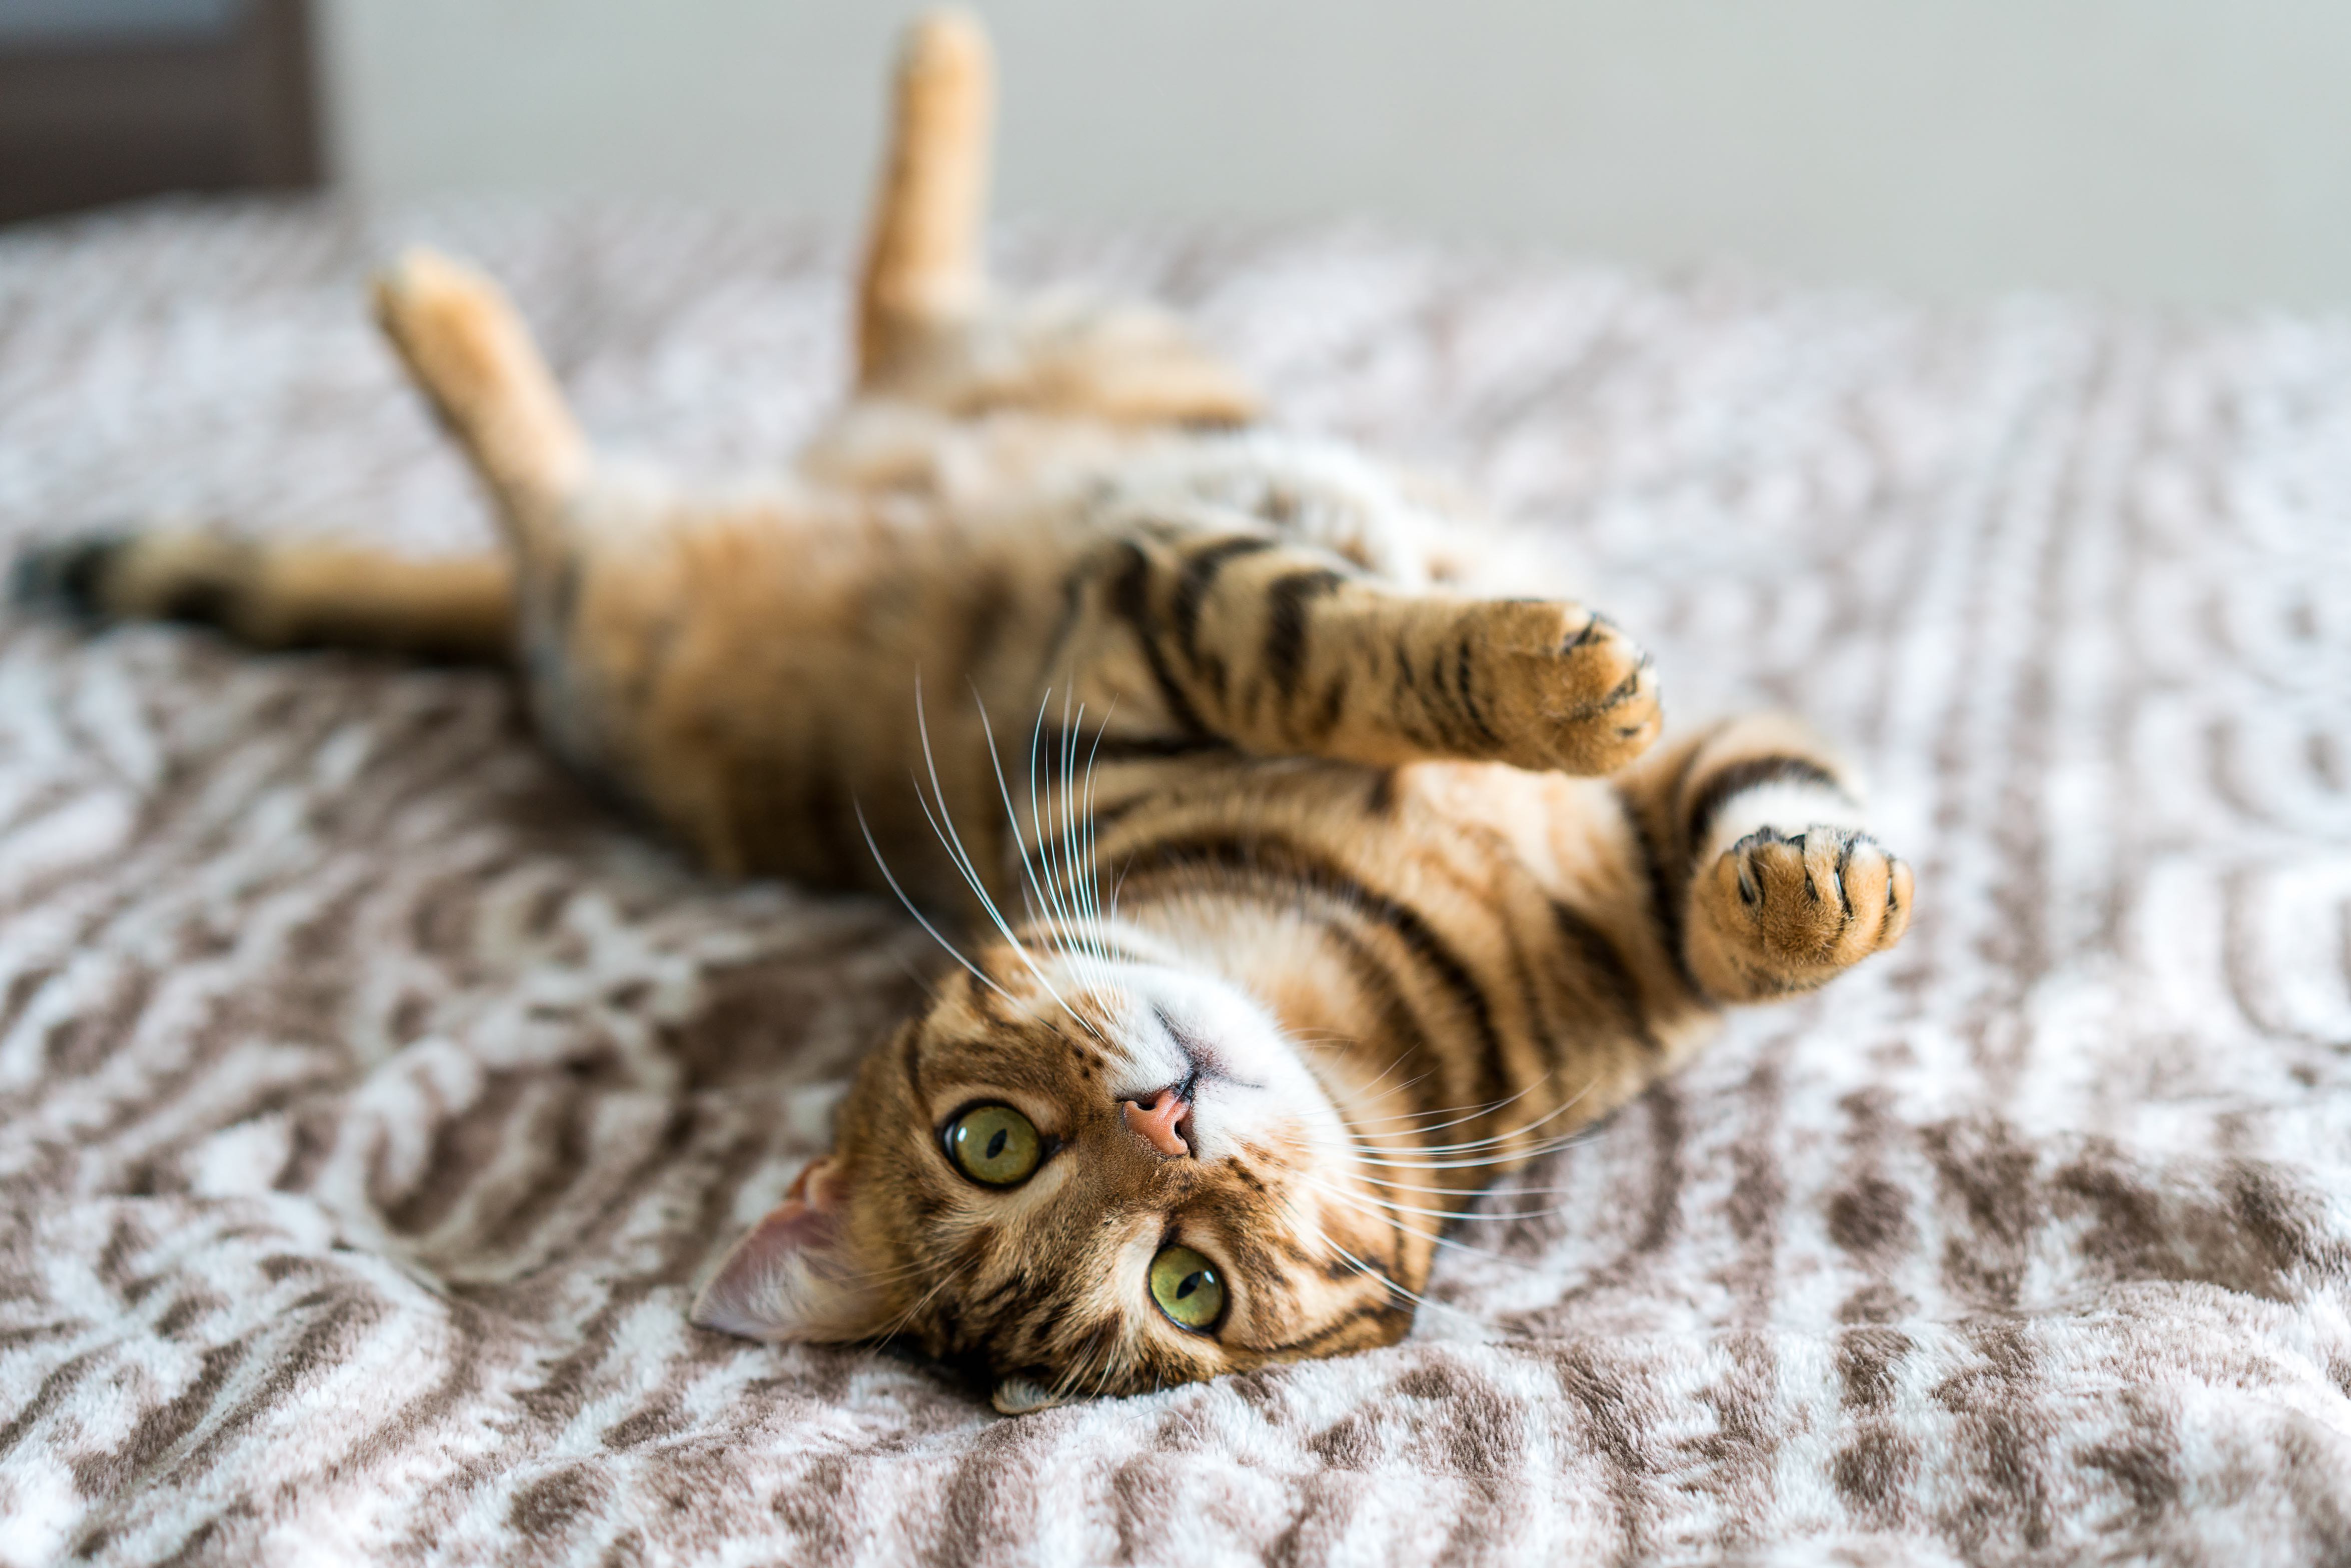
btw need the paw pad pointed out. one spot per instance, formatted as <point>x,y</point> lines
<point>1811,902</point>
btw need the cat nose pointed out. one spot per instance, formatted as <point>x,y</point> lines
<point>1158,1121</point>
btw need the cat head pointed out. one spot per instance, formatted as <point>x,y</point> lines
<point>1092,1176</point>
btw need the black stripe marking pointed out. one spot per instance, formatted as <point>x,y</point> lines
<point>1664,891</point>
<point>1751,773</point>
<point>1606,962</point>
<point>71,576</point>
<point>1199,575</point>
<point>1130,599</point>
<point>1333,708</point>
<point>563,593</point>
<point>1384,1305</point>
<point>985,613</point>
<point>1461,669</point>
<point>911,1053</point>
<point>1285,860</point>
<point>199,602</point>
<point>1286,599</point>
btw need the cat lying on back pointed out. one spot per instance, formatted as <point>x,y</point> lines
<point>1298,888</point>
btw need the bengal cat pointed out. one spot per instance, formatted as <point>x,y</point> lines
<point>1299,887</point>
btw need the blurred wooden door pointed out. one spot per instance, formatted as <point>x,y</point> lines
<point>105,100</point>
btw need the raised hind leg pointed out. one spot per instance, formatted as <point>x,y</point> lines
<point>924,268</point>
<point>930,332</point>
<point>474,360</point>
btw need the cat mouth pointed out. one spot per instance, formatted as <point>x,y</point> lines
<point>1164,1117</point>
<point>1201,1059</point>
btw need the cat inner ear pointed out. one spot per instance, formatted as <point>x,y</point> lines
<point>796,1277</point>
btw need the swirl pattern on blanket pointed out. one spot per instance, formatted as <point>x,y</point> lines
<point>371,1100</point>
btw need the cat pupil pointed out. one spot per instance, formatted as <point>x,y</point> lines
<point>1190,1280</point>
<point>995,1144</point>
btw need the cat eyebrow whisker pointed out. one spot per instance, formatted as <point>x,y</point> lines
<point>1046,890</point>
<point>996,762</point>
<point>962,857</point>
<point>1090,888</point>
<point>1062,880</point>
<point>920,919</point>
<point>1092,861</point>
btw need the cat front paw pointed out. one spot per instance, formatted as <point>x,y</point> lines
<point>1778,912</point>
<point>1581,694</point>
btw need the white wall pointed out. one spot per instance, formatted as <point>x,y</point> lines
<point>2194,149</point>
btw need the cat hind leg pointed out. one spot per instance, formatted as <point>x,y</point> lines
<point>469,352</point>
<point>924,263</point>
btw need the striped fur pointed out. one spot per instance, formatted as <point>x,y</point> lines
<point>1236,789</point>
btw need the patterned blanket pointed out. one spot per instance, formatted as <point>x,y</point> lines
<point>370,1100</point>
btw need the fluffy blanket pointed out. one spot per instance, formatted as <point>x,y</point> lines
<point>370,1100</point>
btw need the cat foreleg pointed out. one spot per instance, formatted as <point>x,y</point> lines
<point>1777,885</point>
<point>1288,652</point>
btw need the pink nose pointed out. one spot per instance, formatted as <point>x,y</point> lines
<point>1154,1121</point>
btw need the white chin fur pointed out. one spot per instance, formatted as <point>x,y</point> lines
<point>1253,1083</point>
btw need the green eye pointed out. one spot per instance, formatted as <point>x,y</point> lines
<point>995,1145</point>
<point>1188,1288</point>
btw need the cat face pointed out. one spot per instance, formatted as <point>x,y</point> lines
<point>1094,1177</point>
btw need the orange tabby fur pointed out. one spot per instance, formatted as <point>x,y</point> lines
<point>1302,887</point>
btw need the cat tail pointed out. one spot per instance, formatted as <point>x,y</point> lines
<point>283,593</point>
<point>923,260</point>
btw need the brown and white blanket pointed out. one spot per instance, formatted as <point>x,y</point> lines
<point>369,1099</point>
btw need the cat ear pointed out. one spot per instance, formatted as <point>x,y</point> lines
<point>796,1277</point>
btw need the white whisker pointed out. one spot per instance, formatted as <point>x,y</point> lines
<point>920,919</point>
<point>962,856</point>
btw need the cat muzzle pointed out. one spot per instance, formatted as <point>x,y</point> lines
<point>1165,1120</point>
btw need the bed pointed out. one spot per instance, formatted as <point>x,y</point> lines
<point>371,1098</point>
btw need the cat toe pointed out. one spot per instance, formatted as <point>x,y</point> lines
<point>1588,693</point>
<point>1804,906</point>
